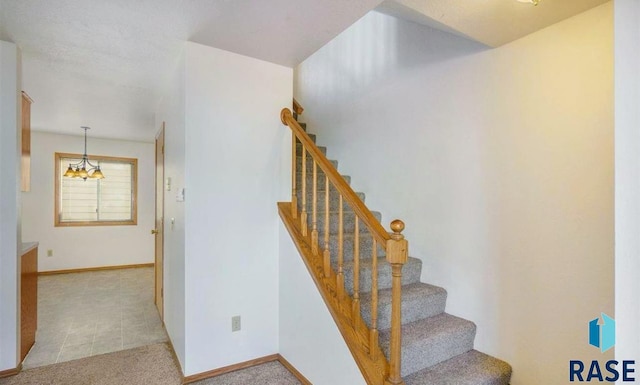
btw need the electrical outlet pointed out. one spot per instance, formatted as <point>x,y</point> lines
<point>235,323</point>
<point>50,253</point>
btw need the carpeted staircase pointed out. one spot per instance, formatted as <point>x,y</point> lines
<point>437,348</point>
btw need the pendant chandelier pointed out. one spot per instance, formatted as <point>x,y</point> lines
<point>84,169</point>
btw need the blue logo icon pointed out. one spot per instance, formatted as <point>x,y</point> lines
<point>602,332</point>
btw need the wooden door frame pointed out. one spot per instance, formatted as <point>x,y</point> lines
<point>160,133</point>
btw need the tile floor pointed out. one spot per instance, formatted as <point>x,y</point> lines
<point>85,314</point>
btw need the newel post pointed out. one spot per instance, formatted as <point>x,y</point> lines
<point>397,254</point>
<point>284,115</point>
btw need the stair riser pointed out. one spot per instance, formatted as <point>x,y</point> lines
<point>434,350</point>
<point>413,309</point>
<point>365,242</point>
<point>322,149</point>
<point>410,274</point>
<point>312,136</point>
<point>334,201</point>
<point>321,181</point>
<point>348,223</point>
<point>310,162</point>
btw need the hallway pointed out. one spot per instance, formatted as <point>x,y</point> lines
<point>91,313</point>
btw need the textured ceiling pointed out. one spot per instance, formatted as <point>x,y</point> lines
<point>103,63</point>
<point>491,22</point>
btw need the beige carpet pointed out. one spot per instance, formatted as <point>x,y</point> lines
<point>147,365</point>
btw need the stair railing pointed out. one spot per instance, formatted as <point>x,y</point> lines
<point>395,245</point>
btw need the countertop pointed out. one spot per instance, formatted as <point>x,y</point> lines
<point>28,246</point>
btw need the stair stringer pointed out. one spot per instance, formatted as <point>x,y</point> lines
<point>373,366</point>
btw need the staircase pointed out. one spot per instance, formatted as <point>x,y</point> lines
<point>353,273</point>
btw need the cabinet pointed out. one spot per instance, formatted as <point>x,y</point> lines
<point>28,297</point>
<point>25,184</point>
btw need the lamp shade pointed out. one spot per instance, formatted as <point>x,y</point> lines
<point>83,173</point>
<point>97,174</point>
<point>70,172</point>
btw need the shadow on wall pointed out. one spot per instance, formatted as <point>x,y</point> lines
<point>369,54</point>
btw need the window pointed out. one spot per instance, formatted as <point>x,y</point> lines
<point>96,202</point>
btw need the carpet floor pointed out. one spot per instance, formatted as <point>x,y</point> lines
<point>147,365</point>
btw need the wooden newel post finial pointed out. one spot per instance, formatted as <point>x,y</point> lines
<point>397,226</point>
<point>397,256</point>
<point>285,113</point>
<point>397,246</point>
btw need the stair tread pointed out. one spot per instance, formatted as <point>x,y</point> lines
<point>429,328</point>
<point>430,341</point>
<point>419,300</point>
<point>470,368</point>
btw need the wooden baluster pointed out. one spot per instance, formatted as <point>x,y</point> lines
<point>314,211</point>
<point>356,271</point>
<point>397,254</point>
<point>373,340</point>
<point>326,254</point>
<point>303,215</point>
<point>340,276</point>
<point>294,192</point>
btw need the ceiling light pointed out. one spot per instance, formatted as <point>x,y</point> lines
<point>80,170</point>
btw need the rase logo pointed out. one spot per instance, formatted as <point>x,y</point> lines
<point>602,335</point>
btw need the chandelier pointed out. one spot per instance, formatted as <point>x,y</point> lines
<point>84,169</point>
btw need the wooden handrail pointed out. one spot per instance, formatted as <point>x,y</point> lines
<point>395,244</point>
<point>297,108</point>
<point>358,207</point>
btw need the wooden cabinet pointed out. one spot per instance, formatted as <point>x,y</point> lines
<point>28,297</point>
<point>26,142</point>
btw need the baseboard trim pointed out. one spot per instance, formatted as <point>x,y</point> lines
<point>293,370</point>
<point>230,368</point>
<point>99,268</point>
<point>11,372</point>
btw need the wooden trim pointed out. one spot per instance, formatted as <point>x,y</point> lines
<point>11,372</point>
<point>337,180</point>
<point>373,366</point>
<point>28,300</point>
<point>99,268</point>
<point>230,368</point>
<point>134,193</point>
<point>297,108</point>
<point>293,371</point>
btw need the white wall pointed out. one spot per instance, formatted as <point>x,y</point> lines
<point>627,176</point>
<point>90,246</point>
<point>499,161</point>
<point>10,118</point>
<point>171,112</point>
<point>305,322</point>
<point>234,146</point>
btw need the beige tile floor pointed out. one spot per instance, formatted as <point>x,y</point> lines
<point>85,314</point>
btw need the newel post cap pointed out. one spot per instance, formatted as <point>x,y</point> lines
<point>397,226</point>
<point>397,246</point>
